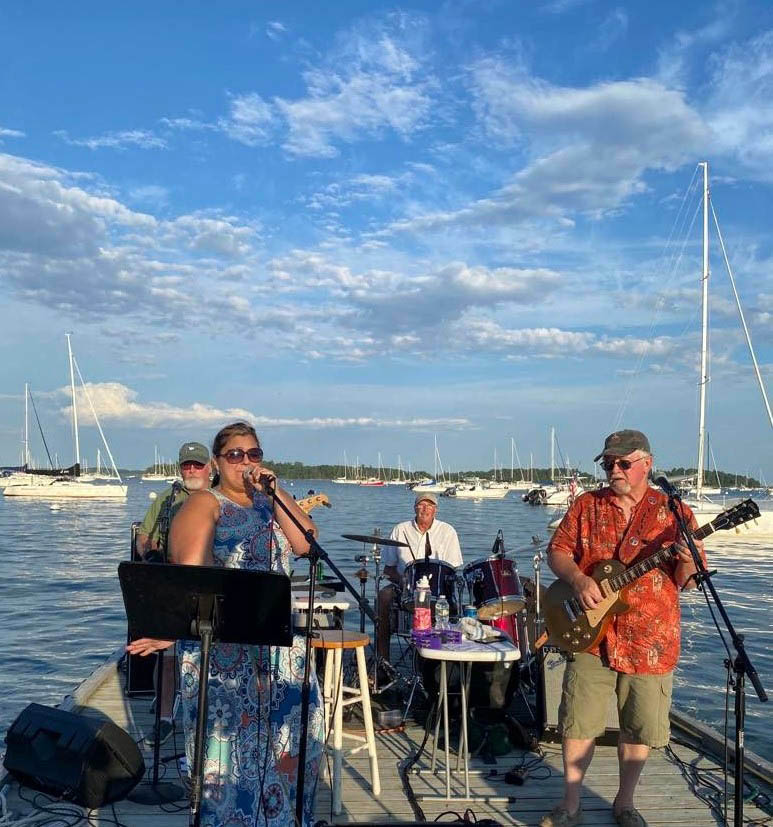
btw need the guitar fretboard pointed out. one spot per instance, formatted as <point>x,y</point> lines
<point>653,561</point>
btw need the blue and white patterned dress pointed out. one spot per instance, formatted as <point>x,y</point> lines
<point>252,741</point>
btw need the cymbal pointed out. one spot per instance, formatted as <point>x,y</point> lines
<point>376,541</point>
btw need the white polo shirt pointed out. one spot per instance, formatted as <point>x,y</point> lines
<point>443,542</point>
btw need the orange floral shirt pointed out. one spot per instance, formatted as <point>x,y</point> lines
<point>644,640</point>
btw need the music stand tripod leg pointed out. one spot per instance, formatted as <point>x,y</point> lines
<point>197,776</point>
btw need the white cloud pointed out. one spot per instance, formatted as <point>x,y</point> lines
<point>553,342</point>
<point>11,133</point>
<point>119,404</point>
<point>739,105</point>
<point>275,29</point>
<point>136,138</point>
<point>251,120</point>
<point>588,148</point>
<point>372,82</point>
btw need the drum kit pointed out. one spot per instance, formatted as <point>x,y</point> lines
<point>490,584</point>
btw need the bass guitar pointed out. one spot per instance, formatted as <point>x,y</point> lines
<point>572,629</point>
<point>307,503</point>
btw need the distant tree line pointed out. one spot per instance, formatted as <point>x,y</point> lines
<point>301,471</point>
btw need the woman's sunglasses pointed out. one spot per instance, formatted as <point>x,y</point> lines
<point>237,455</point>
<point>609,464</point>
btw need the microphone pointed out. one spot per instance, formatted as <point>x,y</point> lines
<point>663,482</point>
<point>266,480</point>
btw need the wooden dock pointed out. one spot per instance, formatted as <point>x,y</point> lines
<point>665,795</point>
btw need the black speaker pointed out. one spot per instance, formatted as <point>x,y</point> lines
<point>553,668</point>
<point>85,760</point>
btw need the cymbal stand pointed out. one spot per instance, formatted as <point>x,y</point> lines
<point>377,659</point>
<point>538,680</point>
<point>362,575</point>
<point>537,615</point>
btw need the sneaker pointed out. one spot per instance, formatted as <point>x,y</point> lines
<point>630,817</point>
<point>165,729</point>
<point>560,817</point>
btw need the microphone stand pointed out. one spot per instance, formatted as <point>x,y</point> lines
<point>741,665</point>
<point>316,553</point>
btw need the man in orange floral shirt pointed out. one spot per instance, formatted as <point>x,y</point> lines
<point>625,521</point>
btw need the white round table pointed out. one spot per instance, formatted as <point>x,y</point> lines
<point>465,654</point>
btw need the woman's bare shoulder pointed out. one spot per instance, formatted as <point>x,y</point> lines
<point>200,503</point>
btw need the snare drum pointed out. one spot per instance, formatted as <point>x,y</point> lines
<point>442,580</point>
<point>494,587</point>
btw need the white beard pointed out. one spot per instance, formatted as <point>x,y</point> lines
<point>196,484</point>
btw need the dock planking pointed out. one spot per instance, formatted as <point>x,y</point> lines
<point>664,796</point>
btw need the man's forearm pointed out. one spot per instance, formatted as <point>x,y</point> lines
<point>564,567</point>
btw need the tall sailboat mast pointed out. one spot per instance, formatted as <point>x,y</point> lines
<point>704,380</point>
<point>74,407</point>
<point>26,427</point>
<point>552,453</point>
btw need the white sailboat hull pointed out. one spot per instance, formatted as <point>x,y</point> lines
<point>480,493</point>
<point>65,489</point>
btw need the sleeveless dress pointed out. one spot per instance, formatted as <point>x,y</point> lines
<point>252,741</point>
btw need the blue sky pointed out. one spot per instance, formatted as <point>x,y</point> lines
<point>361,225</point>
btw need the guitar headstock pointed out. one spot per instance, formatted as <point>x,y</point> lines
<point>307,503</point>
<point>737,515</point>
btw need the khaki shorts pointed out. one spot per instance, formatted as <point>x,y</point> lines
<point>643,702</point>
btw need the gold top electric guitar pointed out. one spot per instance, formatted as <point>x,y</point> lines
<point>573,629</point>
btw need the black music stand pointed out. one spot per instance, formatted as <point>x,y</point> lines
<point>209,604</point>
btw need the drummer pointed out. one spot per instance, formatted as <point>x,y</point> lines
<point>425,538</point>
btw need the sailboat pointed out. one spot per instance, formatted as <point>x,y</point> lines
<point>345,479</point>
<point>700,504</point>
<point>438,484</point>
<point>377,481</point>
<point>27,474</point>
<point>160,472</point>
<point>60,487</point>
<point>400,478</point>
<point>513,485</point>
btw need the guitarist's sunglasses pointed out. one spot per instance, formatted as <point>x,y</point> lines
<point>609,464</point>
<point>237,455</point>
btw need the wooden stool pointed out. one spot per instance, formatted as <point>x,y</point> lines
<point>336,696</point>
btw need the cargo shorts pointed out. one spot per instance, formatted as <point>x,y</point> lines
<point>643,702</point>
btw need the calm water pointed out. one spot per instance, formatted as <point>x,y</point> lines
<point>61,612</point>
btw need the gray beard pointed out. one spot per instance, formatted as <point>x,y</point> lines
<point>196,484</point>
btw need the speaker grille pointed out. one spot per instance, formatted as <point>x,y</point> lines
<point>88,761</point>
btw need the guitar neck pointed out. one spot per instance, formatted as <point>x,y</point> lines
<point>654,560</point>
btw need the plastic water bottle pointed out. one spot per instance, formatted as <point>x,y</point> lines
<point>442,612</point>
<point>422,611</point>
